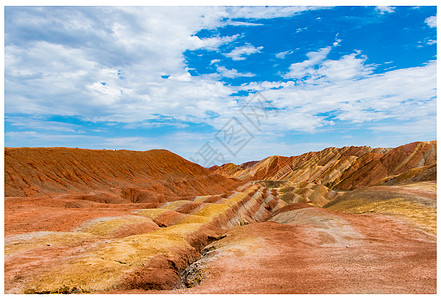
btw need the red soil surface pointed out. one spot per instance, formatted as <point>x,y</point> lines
<point>149,176</point>
<point>58,189</point>
<point>300,249</point>
<point>21,216</point>
<point>389,257</point>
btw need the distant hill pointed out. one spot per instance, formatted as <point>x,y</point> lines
<point>108,176</point>
<point>344,168</point>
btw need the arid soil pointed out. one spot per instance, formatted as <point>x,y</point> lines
<point>60,188</point>
<point>350,220</point>
<point>359,254</point>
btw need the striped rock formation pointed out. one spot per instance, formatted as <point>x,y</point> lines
<point>335,221</point>
<point>316,177</point>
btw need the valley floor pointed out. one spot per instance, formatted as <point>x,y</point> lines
<point>380,239</point>
<point>368,254</point>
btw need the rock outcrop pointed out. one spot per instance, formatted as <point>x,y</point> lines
<point>344,168</point>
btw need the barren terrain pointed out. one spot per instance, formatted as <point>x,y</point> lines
<point>348,220</point>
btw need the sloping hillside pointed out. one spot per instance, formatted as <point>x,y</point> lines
<point>106,175</point>
<point>338,168</point>
<point>346,220</point>
<point>318,177</point>
<point>142,249</point>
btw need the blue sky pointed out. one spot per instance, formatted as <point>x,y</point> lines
<point>179,78</point>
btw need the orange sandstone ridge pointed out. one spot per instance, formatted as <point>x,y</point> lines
<point>149,176</point>
<point>344,168</point>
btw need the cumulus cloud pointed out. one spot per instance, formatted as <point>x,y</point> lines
<point>318,69</point>
<point>57,59</point>
<point>52,67</point>
<point>348,90</point>
<point>302,69</point>
<point>128,65</point>
<point>385,9</point>
<point>348,67</point>
<point>265,12</point>
<point>431,21</point>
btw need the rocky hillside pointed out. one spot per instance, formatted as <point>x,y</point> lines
<point>333,221</point>
<point>108,176</point>
<point>338,168</point>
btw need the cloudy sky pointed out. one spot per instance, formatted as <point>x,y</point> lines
<point>225,83</point>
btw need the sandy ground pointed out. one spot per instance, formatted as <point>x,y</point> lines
<point>384,256</point>
<point>300,250</point>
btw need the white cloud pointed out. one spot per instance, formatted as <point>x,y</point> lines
<point>267,12</point>
<point>284,54</point>
<point>348,67</point>
<point>64,75</point>
<point>212,43</point>
<point>431,21</point>
<point>318,69</point>
<point>233,73</point>
<point>69,60</point>
<point>385,9</point>
<point>57,59</point>
<point>240,53</point>
<point>356,95</point>
<point>239,23</point>
<point>302,69</point>
<point>41,124</point>
<point>265,85</point>
<point>336,43</point>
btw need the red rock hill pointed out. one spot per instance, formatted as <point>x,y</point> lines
<point>149,176</point>
<point>344,168</point>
